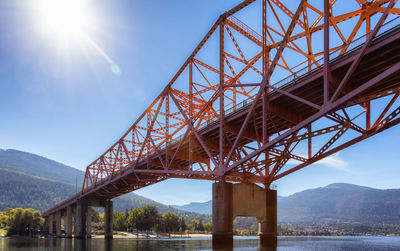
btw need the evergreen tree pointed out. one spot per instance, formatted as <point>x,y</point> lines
<point>182,225</point>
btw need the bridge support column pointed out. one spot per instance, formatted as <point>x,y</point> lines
<point>68,222</point>
<point>222,218</point>
<point>248,200</point>
<point>89,223</point>
<point>58,223</point>
<point>51,222</point>
<point>108,220</point>
<point>80,221</point>
<point>268,231</point>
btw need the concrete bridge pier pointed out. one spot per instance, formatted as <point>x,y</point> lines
<point>222,231</point>
<point>80,221</point>
<point>88,223</point>
<point>58,223</point>
<point>243,199</point>
<point>268,230</point>
<point>83,217</point>
<point>108,220</point>
<point>68,222</point>
<point>51,224</point>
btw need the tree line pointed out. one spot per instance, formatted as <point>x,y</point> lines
<point>20,221</point>
<point>147,218</point>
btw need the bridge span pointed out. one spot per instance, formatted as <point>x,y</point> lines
<point>242,122</point>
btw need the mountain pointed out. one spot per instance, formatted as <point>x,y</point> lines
<point>18,189</point>
<point>198,207</point>
<point>341,202</point>
<point>39,166</point>
<point>30,180</point>
<point>335,202</point>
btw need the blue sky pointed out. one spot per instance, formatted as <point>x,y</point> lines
<point>62,101</point>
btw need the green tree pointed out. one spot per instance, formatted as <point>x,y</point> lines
<point>200,227</point>
<point>120,223</point>
<point>3,219</point>
<point>192,225</point>
<point>23,221</point>
<point>151,217</point>
<point>94,214</point>
<point>135,220</point>
<point>208,227</point>
<point>170,222</point>
<point>182,225</point>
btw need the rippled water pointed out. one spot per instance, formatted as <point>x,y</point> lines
<point>240,243</point>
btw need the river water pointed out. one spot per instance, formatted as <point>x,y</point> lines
<point>240,243</point>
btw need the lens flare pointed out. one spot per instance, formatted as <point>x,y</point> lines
<point>65,20</point>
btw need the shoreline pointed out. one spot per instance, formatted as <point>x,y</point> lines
<point>141,236</point>
<point>126,235</point>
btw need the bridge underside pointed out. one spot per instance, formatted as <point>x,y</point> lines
<point>234,127</point>
<point>285,113</point>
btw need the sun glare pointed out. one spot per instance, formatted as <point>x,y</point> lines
<point>65,18</point>
<point>70,21</point>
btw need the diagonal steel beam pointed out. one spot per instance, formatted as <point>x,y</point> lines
<point>198,136</point>
<point>362,52</point>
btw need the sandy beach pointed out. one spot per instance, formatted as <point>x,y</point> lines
<point>126,235</point>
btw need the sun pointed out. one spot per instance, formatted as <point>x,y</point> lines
<point>65,19</point>
<point>69,22</point>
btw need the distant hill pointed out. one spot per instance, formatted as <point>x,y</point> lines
<point>39,166</point>
<point>335,202</point>
<point>198,207</point>
<point>29,180</point>
<point>341,202</point>
<point>18,189</point>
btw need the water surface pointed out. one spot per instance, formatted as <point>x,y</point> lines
<point>240,243</point>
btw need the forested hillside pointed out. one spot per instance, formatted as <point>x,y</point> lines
<point>31,181</point>
<point>21,190</point>
<point>36,165</point>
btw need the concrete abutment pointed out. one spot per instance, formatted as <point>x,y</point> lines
<point>243,199</point>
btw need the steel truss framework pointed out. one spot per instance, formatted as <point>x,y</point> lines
<point>224,117</point>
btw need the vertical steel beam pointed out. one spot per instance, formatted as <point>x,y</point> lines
<point>309,141</point>
<point>190,111</point>
<point>264,36</point>
<point>221,166</point>
<point>367,108</point>
<point>167,114</point>
<point>265,102</point>
<point>326,51</point>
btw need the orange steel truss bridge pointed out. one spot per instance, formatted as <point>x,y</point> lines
<point>273,87</point>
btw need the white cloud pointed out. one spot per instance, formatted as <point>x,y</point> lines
<point>334,161</point>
